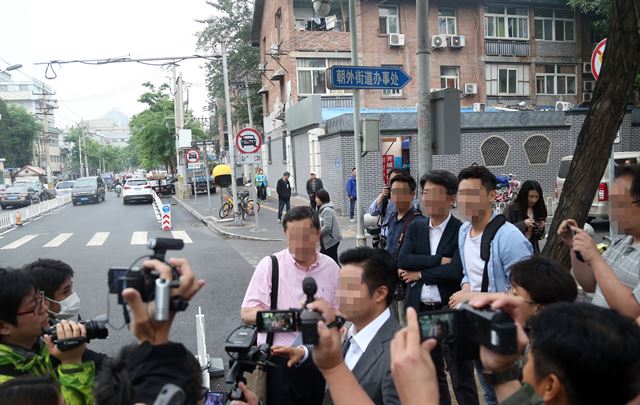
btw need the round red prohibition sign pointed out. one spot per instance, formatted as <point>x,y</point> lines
<point>596,58</point>
<point>248,140</point>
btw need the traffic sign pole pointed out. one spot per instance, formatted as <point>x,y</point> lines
<point>232,157</point>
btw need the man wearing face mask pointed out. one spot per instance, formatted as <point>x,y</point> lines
<point>303,385</point>
<point>55,279</point>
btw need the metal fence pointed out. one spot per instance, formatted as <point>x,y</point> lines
<point>8,218</point>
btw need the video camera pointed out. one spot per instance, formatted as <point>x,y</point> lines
<point>148,282</point>
<point>493,329</point>
<point>294,320</point>
<point>96,329</point>
<point>245,357</point>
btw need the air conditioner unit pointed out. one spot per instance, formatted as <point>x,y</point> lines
<point>275,51</point>
<point>586,97</point>
<point>457,41</point>
<point>586,67</point>
<point>470,88</point>
<point>396,39</point>
<point>262,67</point>
<point>563,106</point>
<point>588,85</point>
<point>439,41</point>
<point>479,107</point>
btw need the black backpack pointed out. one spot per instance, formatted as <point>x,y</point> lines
<point>485,247</point>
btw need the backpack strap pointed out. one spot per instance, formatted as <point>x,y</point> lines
<point>485,247</point>
<point>414,214</point>
<point>275,277</point>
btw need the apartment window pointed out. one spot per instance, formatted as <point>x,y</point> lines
<point>392,92</point>
<point>507,22</point>
<point>279,26</point>
<point>388,20</point>
<point>447,23</point>
<point>554,25</point>
<point>556,79</point>
<point>449,77</point>
<point>507,81</point>
<point>311,75</point>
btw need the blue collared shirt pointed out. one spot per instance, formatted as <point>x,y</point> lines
<point>395,229</point>
<point>508,247</point>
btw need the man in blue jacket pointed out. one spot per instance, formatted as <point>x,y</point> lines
<point>352,194</point>
<point>476,193</point>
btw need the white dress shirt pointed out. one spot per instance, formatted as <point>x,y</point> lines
<point>360,339</point>
<point>430,293</point>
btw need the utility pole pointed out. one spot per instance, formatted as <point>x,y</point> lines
<point>425,158</point>
<point>45,113</point>
<point>80,145</point>
<point>178,111</point>
<point>361,239</point>
<point>252,172</point>
<point>232,154</point>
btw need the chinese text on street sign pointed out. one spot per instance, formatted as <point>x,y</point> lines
<point>366,77</point>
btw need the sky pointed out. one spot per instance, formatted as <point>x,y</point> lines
<point>34,31</point>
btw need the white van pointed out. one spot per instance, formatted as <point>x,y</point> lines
<point>600,204</point>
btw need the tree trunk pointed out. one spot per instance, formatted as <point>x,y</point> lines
<point>620,65</point>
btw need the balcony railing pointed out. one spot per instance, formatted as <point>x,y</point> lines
<point>506,48</point>
<point>334,101</point>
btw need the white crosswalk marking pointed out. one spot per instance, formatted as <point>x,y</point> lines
<point>139,238</point>
<point>182,235</point>
<point>98,239</point>
<point>58,240</point>
<point>19,242</point>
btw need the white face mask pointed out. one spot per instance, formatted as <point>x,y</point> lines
<point>69,307</point>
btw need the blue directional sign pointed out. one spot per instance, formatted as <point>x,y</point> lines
<point>366,77</point>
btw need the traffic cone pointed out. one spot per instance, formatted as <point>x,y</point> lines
<point>18,219</point>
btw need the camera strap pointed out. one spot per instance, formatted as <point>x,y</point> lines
<point>275,277</point>
<point>485,247</point>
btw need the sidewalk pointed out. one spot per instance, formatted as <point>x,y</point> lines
<point>269,230</point>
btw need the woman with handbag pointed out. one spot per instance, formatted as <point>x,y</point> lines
<point>330,235</point>
<point>528,212</point>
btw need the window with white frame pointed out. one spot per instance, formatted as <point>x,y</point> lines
<point>556,79</point>
<point>447,23</point>
<point>388,20</point>
<point>554,25</point>
<point>392,92</point>
<point>507,81</point>
<point>311,75</point>
<point>509,22</point>
<point>449,77</point>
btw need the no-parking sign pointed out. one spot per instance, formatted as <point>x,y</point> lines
<point>248,140</point>
<point>596,58</point>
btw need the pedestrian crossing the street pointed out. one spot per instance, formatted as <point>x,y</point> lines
<point>96,240</point>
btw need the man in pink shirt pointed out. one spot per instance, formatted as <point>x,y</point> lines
<point>301,258</point>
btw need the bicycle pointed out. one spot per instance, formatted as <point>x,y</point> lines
<point>247,205</point>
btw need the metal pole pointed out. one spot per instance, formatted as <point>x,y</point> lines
<point>361,239</point>
<point>252,172</point>
<point>45,130</point>
<point>232,155</point>
<point>175,113</point>
<point>612,163</point>
<point>80,147</point>
<point>424,108</point>
<point>206,174</point>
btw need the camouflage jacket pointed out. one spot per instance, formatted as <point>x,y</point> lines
<point>76,380</point>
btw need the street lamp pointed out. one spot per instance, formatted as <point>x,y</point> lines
<point>12,67</point>
<point>322,7</point>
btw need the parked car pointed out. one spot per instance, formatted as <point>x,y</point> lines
<point>600,205</point>
<point>137,190</point>
<point>64,187</point>
<point>201,184</point>
<point>23,193</point>
<point>87,189</point>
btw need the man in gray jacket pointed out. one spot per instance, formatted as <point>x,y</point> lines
<point>330,235</point>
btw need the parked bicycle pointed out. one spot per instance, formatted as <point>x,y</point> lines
<point>247,206</point>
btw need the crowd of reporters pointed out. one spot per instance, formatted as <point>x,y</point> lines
<point>566,353</point>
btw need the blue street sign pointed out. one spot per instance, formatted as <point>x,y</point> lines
<point>366,77</point>
<point>166,208</point>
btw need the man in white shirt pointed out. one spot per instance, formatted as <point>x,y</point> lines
<point>365,291</point>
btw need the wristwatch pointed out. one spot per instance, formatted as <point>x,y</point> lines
<point>512,373</point>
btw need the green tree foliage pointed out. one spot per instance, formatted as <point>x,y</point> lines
<point>231,20</point>
<point>153,130</point>
<point>112,159</point>
<point>18,129</point>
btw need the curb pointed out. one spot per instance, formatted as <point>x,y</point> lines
<point>221,232</point>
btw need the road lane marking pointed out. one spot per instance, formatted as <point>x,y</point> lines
<point>139,238</point>
<point>98,239</point>
<point>20,242</point>
<point>182,235</point>
<point>58,240</point>
<point>7,231</point>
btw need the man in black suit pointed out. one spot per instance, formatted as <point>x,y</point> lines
<point>366,287</point>
<point>430,264</point>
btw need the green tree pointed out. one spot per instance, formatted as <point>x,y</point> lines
<point>18,130</point>
<point>231,20</point>
<point>593,147</point>
<point>153,130</point>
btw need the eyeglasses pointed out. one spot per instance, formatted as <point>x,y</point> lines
<point>38,307</point>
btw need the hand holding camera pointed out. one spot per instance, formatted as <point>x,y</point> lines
<point>327,354</point>
<point>70,332</point>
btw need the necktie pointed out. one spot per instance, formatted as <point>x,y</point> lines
<point>346,345</point>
